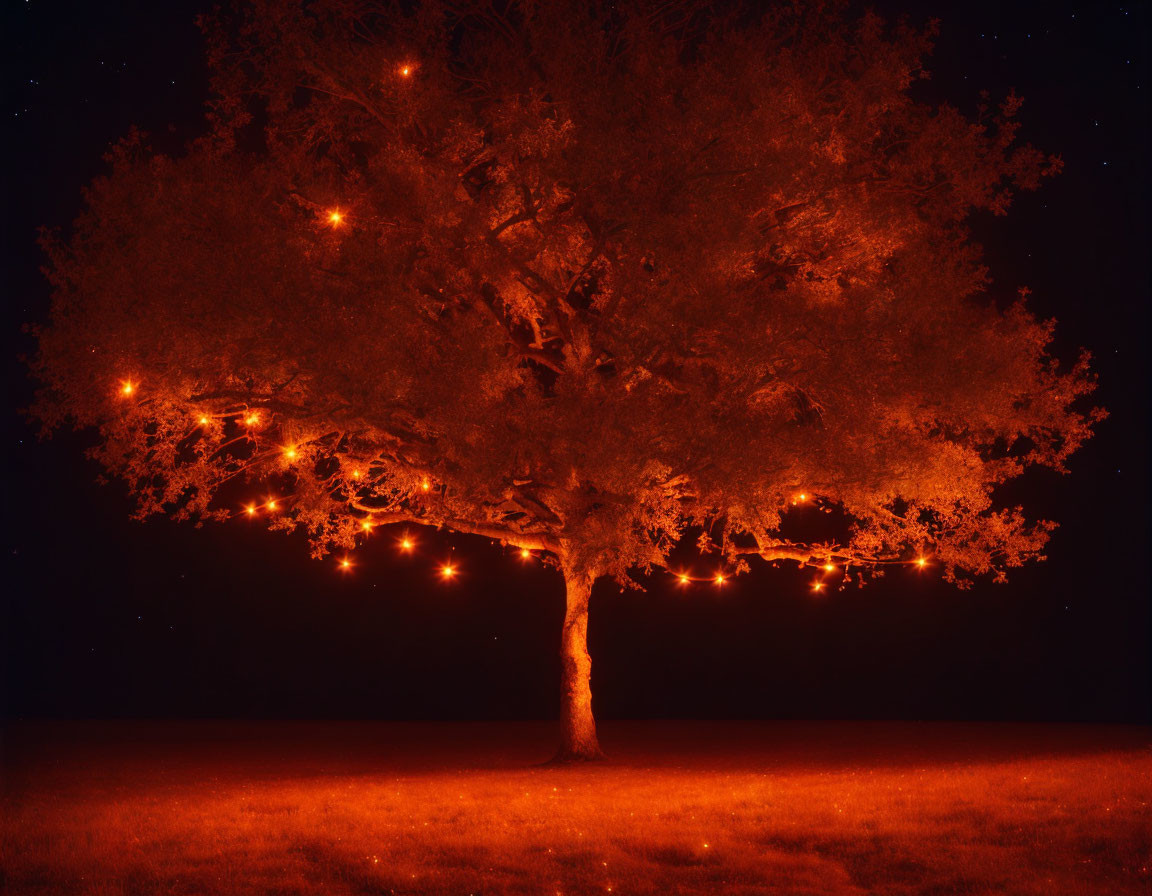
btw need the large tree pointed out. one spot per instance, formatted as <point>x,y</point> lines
<point>584,278</point>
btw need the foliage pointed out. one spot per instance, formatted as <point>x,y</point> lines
<point>576,276</point>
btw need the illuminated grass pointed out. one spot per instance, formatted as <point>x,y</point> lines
<point>393,809</point>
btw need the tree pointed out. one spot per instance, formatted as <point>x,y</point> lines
<point>584,279</point>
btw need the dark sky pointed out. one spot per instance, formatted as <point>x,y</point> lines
<point>106,617</point>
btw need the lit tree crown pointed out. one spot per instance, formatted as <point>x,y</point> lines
<point>576,280</point>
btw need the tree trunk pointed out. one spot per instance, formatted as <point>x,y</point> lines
<point>577,725</point>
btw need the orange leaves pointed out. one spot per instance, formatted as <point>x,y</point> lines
<point>555,301</point>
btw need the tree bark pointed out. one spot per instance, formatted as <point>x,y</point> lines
<point>577,724</point>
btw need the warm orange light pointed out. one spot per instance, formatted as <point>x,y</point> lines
<point>127,388</point>
<point>345,564</point>
<point>252,419</point>
<point>921,562</point>
<point>290,453</point>
<point>719,580</point>
<point>803,497</point>
<point>203,421</point>
<point>425,485</point>
<point>405,71</point>
<point>355,474</point>
<point>366,526</point>
<point>272,505</point>
<point>817,586</point>
<point>448,570</point>
<point>684,580</point>
<point>829,567</point>
<point>251,508</point>
<point>406,544</point>
<point>525,553</point>
<point>335,218</point>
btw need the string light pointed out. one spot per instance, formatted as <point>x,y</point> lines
<point>345,564</point>
<point>335,218</point>
<point>405,71</point>
<point>447,570</point>
<point>405,543</point>
<point>683,577</point>
<point>251,508</point>
<point>829,567</point>
<point>355,474</point>
<point>366,525</point>
<point>290,453</point>
<point>525,553</point>
<point>271,503</point>
<point>425,485</point>
<point>719,580</point>
<point>127,388</point>
<point>203,420</point>
<point>817,586</point>
<point>921,562</point>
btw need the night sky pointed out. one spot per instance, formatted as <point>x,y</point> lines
<point>108,617</point>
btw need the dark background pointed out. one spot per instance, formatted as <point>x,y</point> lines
<point>106,617</point>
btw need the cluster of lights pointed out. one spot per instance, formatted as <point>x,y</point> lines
<point>447,571</point>
<point>253,509</point>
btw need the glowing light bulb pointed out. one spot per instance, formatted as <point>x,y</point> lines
<point>406,544</point>
<point>921,562</point>
<point>829,567</point>
<point>425,485</point>
<point>405,71</point>
<point>127,388</point>
<point>525,553</point>
<point>803,497</point>
<point>203,420</point>
<point>345,564</point>
<point>251,508</point>
<point>720,580</point>
<point>290,453</point>
<point>817,586</point>
<point>355,474</point>
<point>366,526</point>
<point>272,504</point>
<point>447,570</point>
<point>684,580</point>
<point>335,218</point>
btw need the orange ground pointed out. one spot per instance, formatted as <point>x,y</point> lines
<point>830,808</point>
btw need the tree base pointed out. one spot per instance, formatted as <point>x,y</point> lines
<point>573,757</point>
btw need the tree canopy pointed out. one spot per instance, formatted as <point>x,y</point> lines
<point>580,277</point>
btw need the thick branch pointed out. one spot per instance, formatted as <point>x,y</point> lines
<point>533,541</point>
<point>812,555</point>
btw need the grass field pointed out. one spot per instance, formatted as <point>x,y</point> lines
<point>359,808</point>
